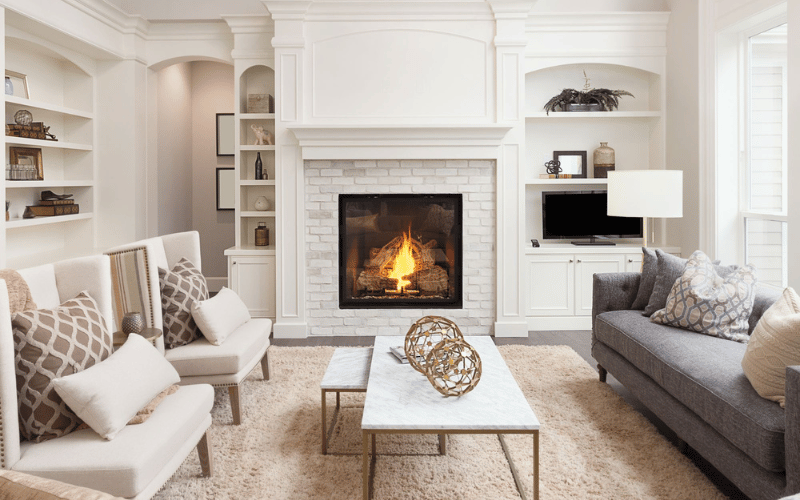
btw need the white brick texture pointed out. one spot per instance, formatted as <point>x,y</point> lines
<point>325,180</point>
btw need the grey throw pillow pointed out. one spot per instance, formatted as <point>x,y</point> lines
<point>670,268</point>
<point>649,273</point>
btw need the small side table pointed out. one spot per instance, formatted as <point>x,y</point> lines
<point>149,334</point>
<point>348,371</point>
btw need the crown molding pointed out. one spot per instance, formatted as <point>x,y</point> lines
<point>172,30</point>
<point>287,10</point>
<point>248,24</point>
<point>597,21</point>
<point>112,16</point>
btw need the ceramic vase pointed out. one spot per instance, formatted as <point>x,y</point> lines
<point>259,165</point>
<point>603,161</point>
<point>261,203</point>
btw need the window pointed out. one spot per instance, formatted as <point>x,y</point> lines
<point>763,199</point>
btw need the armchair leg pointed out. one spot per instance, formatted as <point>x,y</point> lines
<point>603,373</point>
<point>236,407</point>
<point>204,451</point>
<point>265,364</point>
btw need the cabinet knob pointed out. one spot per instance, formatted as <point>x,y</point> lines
<point>579,261</point>
<point>570,261</point>
<point>234,262</point>
<point>630,260</point>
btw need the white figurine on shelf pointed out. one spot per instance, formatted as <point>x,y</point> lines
<point>263,138</point>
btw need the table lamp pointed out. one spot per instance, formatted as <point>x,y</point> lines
<point>645,193</point>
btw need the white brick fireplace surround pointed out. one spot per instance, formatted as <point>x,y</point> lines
<point>325,180</point>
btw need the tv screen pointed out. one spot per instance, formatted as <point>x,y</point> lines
<point>582,214</point>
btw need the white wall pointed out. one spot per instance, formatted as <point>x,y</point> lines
<point>174,135</point>
<point>212,93</point>
<point>683,108</point>
<point>794,145</point>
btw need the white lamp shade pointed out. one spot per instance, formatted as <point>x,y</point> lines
<point>645,193</point>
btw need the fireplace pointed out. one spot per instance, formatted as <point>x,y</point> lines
<point>400,251</point>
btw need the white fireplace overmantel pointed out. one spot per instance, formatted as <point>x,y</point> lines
<point>399,142</point>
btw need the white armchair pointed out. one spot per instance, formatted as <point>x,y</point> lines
<point>136,288</point>
<point>141,458</point>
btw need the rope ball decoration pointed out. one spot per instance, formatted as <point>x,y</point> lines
<point>435,347</point>
<point>553,167</point>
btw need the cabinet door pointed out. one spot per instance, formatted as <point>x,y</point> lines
<point>586,266</point>
<point>633,262</point>
<point>550,285</point>
<point>253,278</point>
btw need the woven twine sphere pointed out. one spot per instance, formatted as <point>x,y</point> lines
<point>424,335</point>
<point>132,322</point>
<point>453,367</point>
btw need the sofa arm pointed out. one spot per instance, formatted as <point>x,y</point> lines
<point>613,292</point>
<point>792,436</point>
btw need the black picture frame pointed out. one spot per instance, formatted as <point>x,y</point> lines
<point>572,162</point>
<point>226,188</point>
<point>226,129</point>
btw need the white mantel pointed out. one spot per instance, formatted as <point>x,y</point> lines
<point>400,142</point>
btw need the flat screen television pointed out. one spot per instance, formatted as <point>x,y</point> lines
<point>582,214</point>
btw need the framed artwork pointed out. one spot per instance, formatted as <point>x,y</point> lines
<point>572,162</point>
<point>19,84</point>
<point>27,156</point>
<point>225,134</point>
<point>226,188</point>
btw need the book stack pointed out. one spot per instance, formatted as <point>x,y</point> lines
<point>54,204</point>
<point>33,131</point>
<point>555,176</point>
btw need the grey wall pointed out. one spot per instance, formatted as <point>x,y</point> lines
<point>212,93</point>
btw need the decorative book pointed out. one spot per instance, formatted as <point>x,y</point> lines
<point>555,176</point>
<point>47,210</point>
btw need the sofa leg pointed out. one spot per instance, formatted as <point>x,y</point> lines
<point>236,407</point>
<point>265,365</point>
<point>603,373</point>
<point>204,451</point>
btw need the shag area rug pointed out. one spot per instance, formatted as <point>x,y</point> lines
<point>592,444</point>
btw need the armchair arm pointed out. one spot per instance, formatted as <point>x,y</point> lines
<point>613,292</point>
<point>182,245</point>
<point>9,420</point>
<point>792,436</point>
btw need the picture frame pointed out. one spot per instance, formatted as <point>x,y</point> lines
<point>27,156</point>
<point>226,128</point>
<point>20,83</point>
<point>572,163</point>
<point>226,188</point>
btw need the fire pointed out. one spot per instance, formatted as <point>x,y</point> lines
<point>403,263</point>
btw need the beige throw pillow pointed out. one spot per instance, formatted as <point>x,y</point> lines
<point>702,301</point>
<point>774,345</point>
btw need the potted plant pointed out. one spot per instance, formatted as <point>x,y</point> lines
<point>587,99</point>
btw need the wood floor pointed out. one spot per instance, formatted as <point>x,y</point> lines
<point>580,341</point>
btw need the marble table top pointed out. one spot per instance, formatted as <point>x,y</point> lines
<point>401,398</point>
<point>347,369</point>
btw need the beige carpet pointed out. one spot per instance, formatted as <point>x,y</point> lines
<point>593,445</point>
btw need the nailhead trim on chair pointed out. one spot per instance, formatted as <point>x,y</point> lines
<point>2,440</point>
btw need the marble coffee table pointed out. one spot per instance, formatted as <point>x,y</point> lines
<point>401,400</point>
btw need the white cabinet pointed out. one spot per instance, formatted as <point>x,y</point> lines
<point>559,280</point>
<point>253,278</point>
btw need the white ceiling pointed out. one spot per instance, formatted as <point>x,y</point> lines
<point>185,10</point>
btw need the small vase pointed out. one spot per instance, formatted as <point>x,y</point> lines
<point>132,322</point>
<point>604,161</point>
<point>262,235</point>
<point>9,86</point>
<point>259,166</point>
<point>262,204</point>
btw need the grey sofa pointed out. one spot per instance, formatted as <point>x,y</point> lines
<point>695,384</point>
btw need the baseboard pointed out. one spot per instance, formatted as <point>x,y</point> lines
<point>507,329</point>
<point>541,323</point>
<point>290,330</point>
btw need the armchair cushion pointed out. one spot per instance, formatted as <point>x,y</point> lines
<point>51,343</point>
<point>201,358</point>
<point>180,288</point>
<point>220,315</point>
<point>18,485</point>
<point>127,465</point>
<point>107,395</point>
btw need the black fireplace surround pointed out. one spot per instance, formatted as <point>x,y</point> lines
<point>372,227</point>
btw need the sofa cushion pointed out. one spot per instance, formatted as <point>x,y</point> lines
<point>52,343</point>
<point>180,288</point>
<point>125,466</point>
<point>704,373</point>
<point>702,301</point>
<point>201,358</point>
<point>649,274</point>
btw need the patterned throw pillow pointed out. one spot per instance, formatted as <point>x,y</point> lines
<point>179,289</point>
<point>702,301</point>
<point>53,343</point>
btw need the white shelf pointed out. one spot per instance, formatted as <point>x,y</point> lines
<point>48,184</point>
<point>10,99</point>
<point>571,182</point>
<point>40,221</point>
<point>255,213</point>
<point>21,141</point>
<point>596,115</point>
<point>250,250</point>
<point>253,182</point>
<point>257,116</point>
<point>247,147</point>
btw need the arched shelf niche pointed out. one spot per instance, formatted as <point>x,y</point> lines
<point>255,80</point>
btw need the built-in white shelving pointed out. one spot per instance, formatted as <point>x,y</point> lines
<point>39,143</point>
<point>46,106</point>
<point>257,116</point>
<point>564,182</point>
<point>256,148</point>
<point>599,115</point>
<point>41,221</point>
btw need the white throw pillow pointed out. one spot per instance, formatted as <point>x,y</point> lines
<point>220,315</point>
<point>107,395</point>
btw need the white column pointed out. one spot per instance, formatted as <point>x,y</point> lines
<point>510,42</point>
<point>289,45</point>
